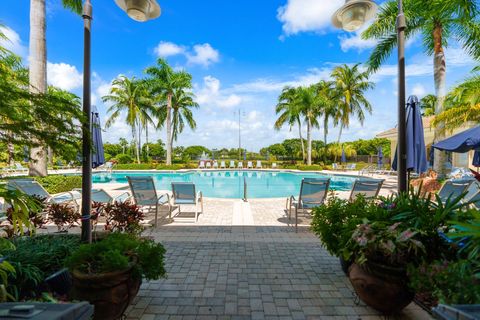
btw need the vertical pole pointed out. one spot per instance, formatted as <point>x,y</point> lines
<point>86,139</point>
<point>402,144</point>
<point>239,137</point>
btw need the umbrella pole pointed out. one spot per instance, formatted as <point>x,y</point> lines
<point>86,129</point>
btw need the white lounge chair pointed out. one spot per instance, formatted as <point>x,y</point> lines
<point>145,194</point>
<point>33,188</point>
<point>259,164</point>
<point>215,164</point>
<point>222,165</point>
<point>369,188</point>
<point>351,166</point>
<point>335,166</point>
<point>249,165</point>
<point>209,165</point>
<point>201,165</point>
<point>184,194</point>
<point>274,165</point>
<point>313,192</point>
<point>232,164</point>
<point>240,165</point>
<point>452,189</point>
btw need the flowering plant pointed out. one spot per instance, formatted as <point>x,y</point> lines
<point>382,243</point>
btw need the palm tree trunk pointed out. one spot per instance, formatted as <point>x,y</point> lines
<point>169,129</point>
<point>10,151</point>
<point>301,140</point>
<point>38,75</point>
<point>146,139</point>
<point>338,140</point>
<point>134,140</point>
<point>309,141</point>
<point>139,146</point>
<point>439,73</point>
<point>325,133</point>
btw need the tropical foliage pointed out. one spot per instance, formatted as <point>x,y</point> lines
<point>439,23</point>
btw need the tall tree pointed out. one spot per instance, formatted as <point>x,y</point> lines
<point>163,82</point>
<point>182,104</point>
<point>327,108</point>
<point>308,101</point>
<point>38,68</point>
<point>351,85</point>
<point>438,22</point>
<point>128,95</point>
<point>289,111</point>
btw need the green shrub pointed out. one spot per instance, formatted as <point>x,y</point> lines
<point>314,167</point>
<point>34,259</point>
<point>115,253</point>
<point>59,183</point>
<point>123,158</point>
<point>170,167</point>
<point>135,166</point>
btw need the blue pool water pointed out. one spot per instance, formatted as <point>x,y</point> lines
<point>229,184</point>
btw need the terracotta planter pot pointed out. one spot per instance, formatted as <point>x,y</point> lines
<point>388,293</point>
<point>110,293</point>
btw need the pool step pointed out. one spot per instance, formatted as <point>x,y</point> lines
<point>242,214</point>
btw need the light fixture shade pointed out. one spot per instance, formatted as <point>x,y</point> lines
<point>140,10</point>
<point>353,14</point>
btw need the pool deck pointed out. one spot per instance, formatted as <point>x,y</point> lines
<point>243,260</point>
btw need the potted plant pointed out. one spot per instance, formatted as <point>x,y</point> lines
<point>381,253</point>
<point>335,221</point>
<point>108,273</point>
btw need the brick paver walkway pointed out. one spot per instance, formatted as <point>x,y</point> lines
<point>262,270</point>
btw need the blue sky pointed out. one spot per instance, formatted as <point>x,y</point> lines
<point>240,53</point>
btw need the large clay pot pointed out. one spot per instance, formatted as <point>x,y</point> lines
<point>384,290</point>
<point>110,293</point>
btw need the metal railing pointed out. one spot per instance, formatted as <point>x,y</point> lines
<point>245,189</point>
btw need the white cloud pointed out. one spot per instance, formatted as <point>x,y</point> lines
<point>167,49</point>
<point>203,55</point>
<point>355,41</point>
<point>210,95</point>
<point>200,54</point>
<point>312,76</point>
<point>64,76</point>
<point>419,90</point>
<point>307,15</point>
<point>13,42</point>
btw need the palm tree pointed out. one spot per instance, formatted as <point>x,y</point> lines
<point>327,108</point>
<point>462,105</point>
<point>438,22</point>
<point>308,102</point>
<point>123,143</point>
<point>427,104</point>
<point>38,68</point>
<point>350,86</point>
<point>163,82</point>
<point>182,103</point>
<point>289,113</point>
<point>129,95</point>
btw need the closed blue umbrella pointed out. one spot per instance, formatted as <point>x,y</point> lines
<point>432,156</point>
<point>416,151</point>
<point>267,157</point>
<point>98,155</point>
<point>344,157</point>
<point>476,159</point>
<point>245,155</point>
<point>380,158</point>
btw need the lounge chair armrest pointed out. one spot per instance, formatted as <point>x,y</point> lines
<point>68,195</point>
<point>199,195</point>
<point>290,200</point>
<point>164,198</point>
<point>125,196</point>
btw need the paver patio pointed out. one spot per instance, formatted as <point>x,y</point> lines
<point>244,261</point>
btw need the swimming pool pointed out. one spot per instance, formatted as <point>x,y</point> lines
<point>229,184</point>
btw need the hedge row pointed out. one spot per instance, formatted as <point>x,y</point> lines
<point>58,183</point>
